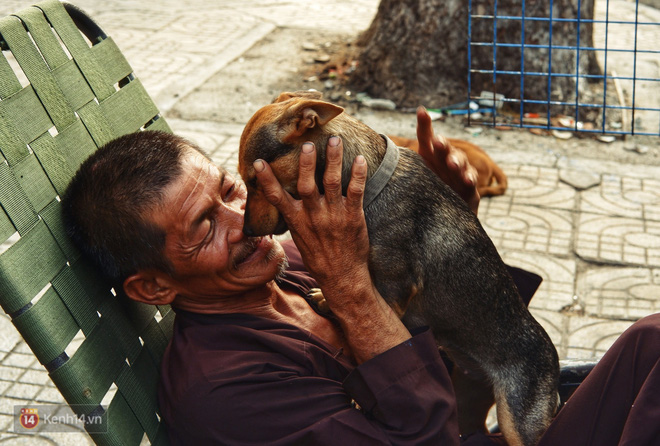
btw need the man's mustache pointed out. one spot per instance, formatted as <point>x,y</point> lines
<point>244,250</point>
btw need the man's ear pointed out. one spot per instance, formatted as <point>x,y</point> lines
<point>149,287</point>
<point>308,114</point>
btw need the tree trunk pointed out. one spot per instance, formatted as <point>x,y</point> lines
<point>416,51</point>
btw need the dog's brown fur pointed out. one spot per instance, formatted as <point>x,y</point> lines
<point>491,179</point>
<point>429,257</point>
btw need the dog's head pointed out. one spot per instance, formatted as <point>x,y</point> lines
<point>275,134</point>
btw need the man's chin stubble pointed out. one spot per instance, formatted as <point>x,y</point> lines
<point>281,266</point>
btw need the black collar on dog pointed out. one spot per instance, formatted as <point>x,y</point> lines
<point>379,179</point>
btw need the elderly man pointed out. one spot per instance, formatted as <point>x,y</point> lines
<point>250,360</point>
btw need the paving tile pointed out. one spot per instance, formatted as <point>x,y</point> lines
<point>49,395</point>
<point>4,385</point>
<point>343,16</point>
<point>620,293</point>
<point>529,228</point>
<point>580,337</point>
<point>23,391</point>
<point>538,186</point>
<point>11,373</point>
<point>206,141</point>
<point>558,288</point>
<point>19,359</point>
<point>220,141</point>
<point>180,48</point>
<point>588,337</point>
<point>7,405</point>
<point>9,336</point>
<point>509,158</point>
<point>132,19</point>
<point>24,439</point>
<point>624,197</point>
<point>74,438</point>
<point>625,241</point>
<point>609,168</point>
<point>6,423</point>
<point>22,347</point>
<point>37,376</point>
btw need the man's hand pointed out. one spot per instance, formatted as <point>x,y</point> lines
<point>329,230</point>
<point>448,162</point>
<point>331,233</point>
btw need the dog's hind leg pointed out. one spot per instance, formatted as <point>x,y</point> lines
<point>497,185</point>
<point>491,191</point>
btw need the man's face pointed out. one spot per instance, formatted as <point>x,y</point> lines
<point>202,216</point>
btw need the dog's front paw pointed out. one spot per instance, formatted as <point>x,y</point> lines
<point>316,296</point>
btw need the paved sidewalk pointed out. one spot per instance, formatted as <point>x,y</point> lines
<point>598,249</point>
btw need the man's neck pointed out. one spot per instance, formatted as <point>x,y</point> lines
<point>272,302</point>
<point>259,301</point>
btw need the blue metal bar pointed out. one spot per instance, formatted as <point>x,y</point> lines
<point>558,19</point>
<point>550,58</point>
<point>605,77</point>
<point>550,127</point>
<point>582,76</point>
<point>562,47</point>
<point>494,58</point>
<point>522,61</point>
<point>469,55</point>
<point>632,119</point>
<point>609,132</point>
<point>577,64</point>
<point>611,107</point>
<point>581,104</point>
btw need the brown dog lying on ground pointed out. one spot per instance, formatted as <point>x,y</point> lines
<point>429,256</point>
<point>491,180</point>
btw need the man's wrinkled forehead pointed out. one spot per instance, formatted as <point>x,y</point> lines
<point>189,145</point>
<point>201,158</point>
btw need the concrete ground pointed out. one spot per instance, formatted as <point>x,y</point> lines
<point>582,214</point>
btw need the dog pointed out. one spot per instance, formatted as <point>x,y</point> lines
<point>491,179</point>
<point>429,256</point>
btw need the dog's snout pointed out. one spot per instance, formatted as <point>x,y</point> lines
<point>248,231</point>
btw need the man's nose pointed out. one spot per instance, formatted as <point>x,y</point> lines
<point>235,235</point>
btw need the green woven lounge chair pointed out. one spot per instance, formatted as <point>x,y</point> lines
<point>66,89</point>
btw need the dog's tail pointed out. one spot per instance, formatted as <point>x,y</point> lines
<point>498,183</point>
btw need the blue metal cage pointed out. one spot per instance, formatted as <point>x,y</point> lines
<point>623,98</point>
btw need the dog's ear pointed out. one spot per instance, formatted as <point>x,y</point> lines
<point>308,114</point>
<point>308,94</point>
